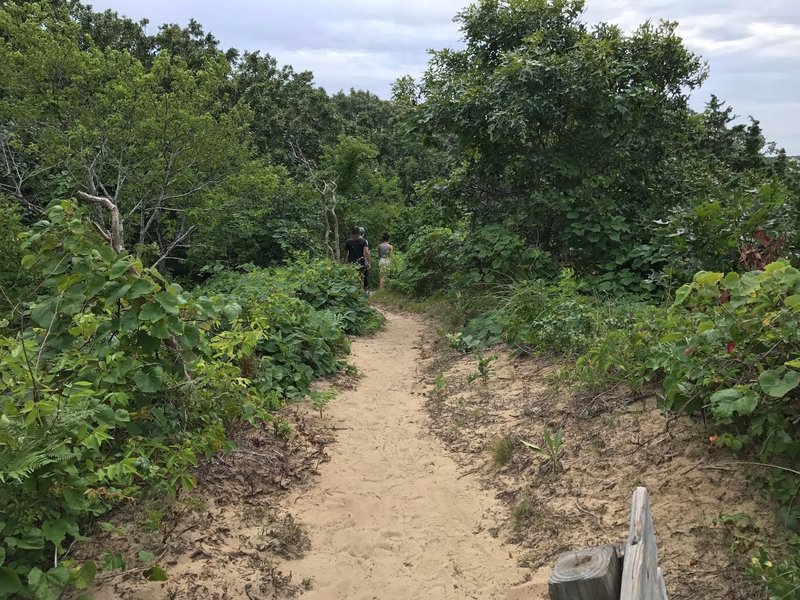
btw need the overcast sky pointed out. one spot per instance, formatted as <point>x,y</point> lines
<point>752,46</point>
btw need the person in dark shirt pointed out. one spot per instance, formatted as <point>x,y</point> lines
<point>365,280</point>
<point>356,252</point>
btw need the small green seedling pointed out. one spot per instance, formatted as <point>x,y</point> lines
<point>439,385</point>
<point>552,448</point>
<point>320,399</point>
<point>484,369</point>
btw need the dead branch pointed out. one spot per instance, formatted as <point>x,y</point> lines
<point>115,235</point>
<point>326,188</point>
<point>172,246</point>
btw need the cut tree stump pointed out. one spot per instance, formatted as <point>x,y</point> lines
<point>604,574</point>
<point>590,574</point>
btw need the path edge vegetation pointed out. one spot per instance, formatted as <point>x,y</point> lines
<point>547,180</point>
<point>722,350</point>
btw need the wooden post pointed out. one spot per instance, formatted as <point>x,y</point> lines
<point>591,574</point>
<point>641,577</point>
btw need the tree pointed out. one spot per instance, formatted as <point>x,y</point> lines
<point>259,215</point>
<point>288,109</point>
<point>151,139</point>
<point>569,134</point>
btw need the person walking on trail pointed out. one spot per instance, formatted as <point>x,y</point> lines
<point>363,234</point>
<point>385,250</point>
<point>356,252</point>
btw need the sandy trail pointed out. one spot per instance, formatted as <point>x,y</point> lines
<point>392,516</point>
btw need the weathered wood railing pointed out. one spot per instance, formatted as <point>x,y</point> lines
<point>611,573</point>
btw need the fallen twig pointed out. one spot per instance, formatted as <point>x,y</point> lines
<point>112,574</point>
<point>588,512</point>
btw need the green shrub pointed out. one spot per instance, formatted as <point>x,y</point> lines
<point>441,258</point>
<point>733,347</point>
<point>429,262</point>
<point>549,317</point>
<point>118,381</point>
<point>13,279</point>
<point>492,254</point>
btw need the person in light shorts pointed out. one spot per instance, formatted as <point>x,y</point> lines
<point>385,251</point>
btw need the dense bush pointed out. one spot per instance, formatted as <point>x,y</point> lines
<point>13,281</point>
<point>429,261</point>
<point>442,258</point>
<point>550,317</point>
<point>493,254</point>
<point>119,380</point>
<point>729,346</point>
<point>259,216</point>
<point>733,347</point>
<point>323,284</point>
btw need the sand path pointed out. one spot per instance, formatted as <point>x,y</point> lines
<point>392,516</point>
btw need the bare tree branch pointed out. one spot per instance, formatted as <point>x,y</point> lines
<point>174,243</point>
<point>327,191</point>
<point>116,223</point>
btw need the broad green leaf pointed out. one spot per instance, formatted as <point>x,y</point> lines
<point>731,279</point>
<point>129,321</point>
<point>169,302</point>
<point>94,285</point>
<point>145,556</point>
<point>28,261</point>
<point>156,574</point>
<point>44,312</point>
<point>107,253</point>
<point>149,379</point>
<point>190,337</point>
<point>776,386</point>
<point>152,311</point>
<point>117,294</point>
<point>119,267</point>
<point>682,293</point>
<point>147,343</point>
<point>726,403</point>
<point>9,582</point>
<point>113,561</point>
<point>74,499</point>
<point>83,577</point>
<point>50,585</point>
<point>31,539</point>
<point>704,326</point>
<point>139,288</point>
<point>748,283</point>
<point>232,310</point>
<point>159,329</point>
<point>793,302</point>
<point>707,277</point>
<point>54,531</point>
<point>793,363</point>
<point>110,528</point>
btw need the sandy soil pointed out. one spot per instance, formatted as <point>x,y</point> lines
<point>707,514</point>
<point>384,513</point>
<point>392,516</point>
